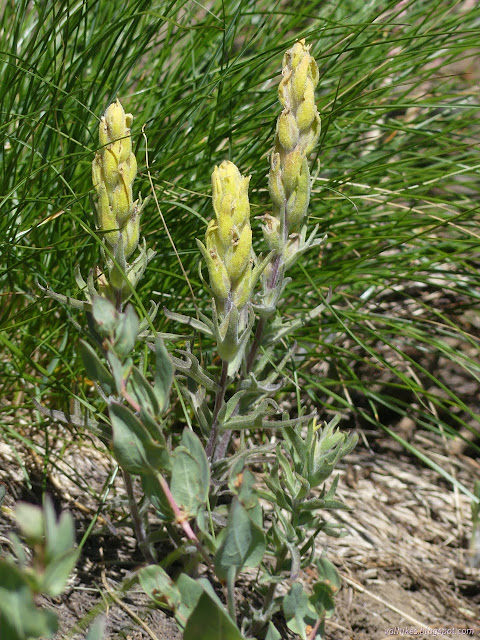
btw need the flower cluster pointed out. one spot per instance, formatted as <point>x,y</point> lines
<point>113,171</point>
<point>228,240</point>
<point>298,129</point>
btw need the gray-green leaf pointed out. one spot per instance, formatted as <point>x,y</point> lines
<point>190,474</point>
<point>126,332</point>
<point>20,617</point>
<point>95,368</point>
<point>97,629</point>
<point>105,315</point>
<point>163,374</point>
<point>157,584</point>
<point>298,611</point>
<point>144,393</point>
<point>272,633</point>
<point>243,542</point>
<point>133,445</point>
<point>210,621</point>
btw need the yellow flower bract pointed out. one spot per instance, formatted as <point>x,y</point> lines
<point>113,172</point>
<point>228,240</point>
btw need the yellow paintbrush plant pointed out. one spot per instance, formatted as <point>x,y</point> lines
<point>117,216</point>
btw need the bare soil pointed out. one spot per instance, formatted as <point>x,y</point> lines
<point>405,562</point>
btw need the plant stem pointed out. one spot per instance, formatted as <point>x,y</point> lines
<point>138,526</point>
<point>273,281</point>
<point>313,633</point>
<point>118,301</point>
<point>231,593</point>
<point>219,398</point>
<point>131,401</point>
<point>255,344</point>
<point>181,519</point>
<point>267,601</point>
<point>273,585</point>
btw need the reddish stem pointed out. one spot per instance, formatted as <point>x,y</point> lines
<point>181,519</point>
<point>313,632</point>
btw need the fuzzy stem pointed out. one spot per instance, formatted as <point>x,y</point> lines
<point>273,281</point>
<point>131,401</point>
<point>118,300</point>
<point>219,399</point>
<point>138,527</point>
<point>267,601</point>
<point>255,344</point>
<point>180,519</point>
<point>231,593</point>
